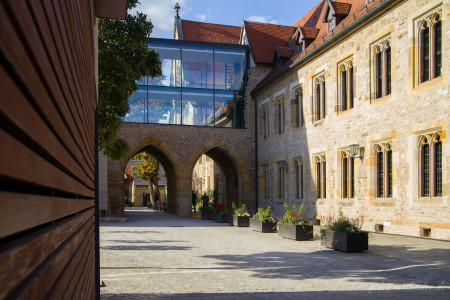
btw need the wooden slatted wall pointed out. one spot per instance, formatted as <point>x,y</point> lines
<point>47,130</point>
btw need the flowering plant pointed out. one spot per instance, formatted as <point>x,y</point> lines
<point>341,223</point>
<point>221,209</point>
<point>163,207</point>
<point>264,214</point>
<point>240,212</point>
<point>294,216</point>
<point>206,208</point>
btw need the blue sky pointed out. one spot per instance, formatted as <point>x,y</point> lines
<point>228,12</point>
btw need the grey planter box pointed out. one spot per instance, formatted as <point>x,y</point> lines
<point>207,215</point>
<point>240,221</point>
<point>347,242</point>
<point>259,225</point>
<point>221,218</point>
<point>296,232</point>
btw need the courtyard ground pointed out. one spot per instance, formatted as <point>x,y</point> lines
<point>161,256</point>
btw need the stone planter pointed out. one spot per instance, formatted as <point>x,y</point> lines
<point>347,242</point>
<point>296,232</point>
<point>259,225</point>
<point>240,221</point>
<point>207,215</point>
<point>221,218</point>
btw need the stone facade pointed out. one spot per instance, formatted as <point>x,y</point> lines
<point>412,109</point>
<point>207,176</point>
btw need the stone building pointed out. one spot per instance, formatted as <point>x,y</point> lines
<point>207,177</point>
<point>358,119</point>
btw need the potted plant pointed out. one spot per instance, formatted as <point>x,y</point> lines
<point>344,234</point>
<point>263,221</point>
<point>241,217</point>
<point>293,225</point>
<point>221,214</point>
<point>207,212</point>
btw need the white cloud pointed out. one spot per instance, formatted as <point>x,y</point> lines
<point>207,15</point>
<point>262,19</point>
<point>162,13</point>
<point>201,17</point>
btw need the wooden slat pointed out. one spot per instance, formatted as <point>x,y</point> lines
<point>30,81</point>
<point>73,270</point>
<point>20,258</point>
<point>84,279</point>
<point>26,165</point>
<point>18,110</point>
<point>39,56</point>
<point>40,286</point>
<point>65,49</point>
<point>34,210</point>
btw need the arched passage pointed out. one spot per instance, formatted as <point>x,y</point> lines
<point>231,168</point>
<point>161,153</point>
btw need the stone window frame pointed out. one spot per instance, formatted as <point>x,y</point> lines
<point>428,21</point>
<point>319,98</point>
<point>265,118</point>
<point>320,162</point>
<point>279,117</point>
<point>297,110</point>
<point>347,86</point>
<point>347,174</point>
<point>298,178</point>
<point>384,152</point>
<point>381,68</point>
<point>430,141</point>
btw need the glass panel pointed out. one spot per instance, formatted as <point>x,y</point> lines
<point>345,178</point>
<point>197,67</point>
<point>229,68</point>
<point>170,64</point>
<point>379,69</point>
<point>438,49</point>
<point>380,179</point>
<point>197,107</point>
<point>224,109</point>
<point>438,168</point>
<point>164,105</point>
<point>425,55</point>
<point>137,111</point>
<point>344,90</point>
<point>350,105</point>
<point>426,170</point>
<point>142,81</point>
<point>389,174</point>
<point>352,183</point>
<point>388,71</point>
<point>319,180</point>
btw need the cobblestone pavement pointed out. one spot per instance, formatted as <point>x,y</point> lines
<point>161,256</point>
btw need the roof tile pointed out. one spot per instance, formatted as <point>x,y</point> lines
<point>209,32</point>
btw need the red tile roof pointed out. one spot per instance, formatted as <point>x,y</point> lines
<point>314,19</point>
<point>309,33</point>
<point>208,32</point>
<point>263,38</point>
<point>341,8</point>
<point>285,52</point>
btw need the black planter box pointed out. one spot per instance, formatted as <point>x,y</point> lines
<point>259,225</point>
<point>207,215</point>
<point>296,232</point>
<point>221,218</point>
<point>347,242</point>
<point>240,221</point>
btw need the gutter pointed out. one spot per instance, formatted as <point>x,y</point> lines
<point>344,31</point>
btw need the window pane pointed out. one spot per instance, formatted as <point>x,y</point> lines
<point>319,181</point>
<point>224,109</point>
<point>197,107</point>
<point>352,179</point>
<point>425,55</point>
<point>170,57</point>
<point>344,90</point>
<point>438,49</point>
<point>389,173</point>
<point>229,69</point>
<point>345,178</point>
<point>380,177</point>
<point>137,102</point>
<point>350,105</point>
<point>197,67</point>
<point>379,68</point>
<point>438,168</point>
<point>426,170</point>
<point>388,71</point>
<point>164,105</point>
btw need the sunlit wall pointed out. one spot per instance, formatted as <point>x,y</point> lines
<point>202,84</point>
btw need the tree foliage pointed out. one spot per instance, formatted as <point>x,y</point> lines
<point>147,167</point>
<point>123,59</point>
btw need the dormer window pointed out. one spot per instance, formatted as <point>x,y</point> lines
<point>305,36</point>
<point>336,12</point>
